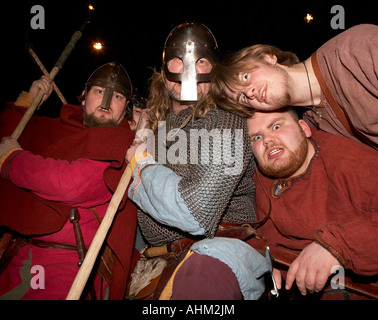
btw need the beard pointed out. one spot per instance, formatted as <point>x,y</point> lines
<point>281,169</point>
<point>284,98</point>
<point>175,96</point>
<point>90,120</point>
<point>279,89</point>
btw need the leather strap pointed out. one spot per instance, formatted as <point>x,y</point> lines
<point>334,105</point>
<point>340,114</point>
<point>241,231</point>
<point>172,264</point>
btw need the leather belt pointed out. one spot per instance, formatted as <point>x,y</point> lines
<point>226,229</point>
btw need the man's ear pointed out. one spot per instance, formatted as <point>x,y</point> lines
<point>83,94</point>
<point>125,110</point>
<point>306,128</point>
<point>271,58</point>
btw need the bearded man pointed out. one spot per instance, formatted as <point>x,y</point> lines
<point>322,189</point>
<point>338,84</point>
<point>194,184</point>
<point>71,162</point>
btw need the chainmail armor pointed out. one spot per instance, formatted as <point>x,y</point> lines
<point>209,193</point>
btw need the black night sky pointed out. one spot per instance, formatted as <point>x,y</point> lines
<point>134,32</point>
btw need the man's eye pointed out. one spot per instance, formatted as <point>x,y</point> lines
<point>256,138</point>
<point>276,127</point>
<point>243,98</point>
<point>245,77</point>
<point>118,96</point>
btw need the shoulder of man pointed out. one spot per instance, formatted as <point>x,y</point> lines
<point>342,148</point>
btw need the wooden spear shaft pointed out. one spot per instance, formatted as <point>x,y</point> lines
<point>99,238</point>
<point>30,111</point>
<point>46,73</point>
<point>58,65</point>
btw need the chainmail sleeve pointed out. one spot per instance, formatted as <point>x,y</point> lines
<point>214,158</point>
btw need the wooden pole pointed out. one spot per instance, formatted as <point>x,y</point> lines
<point>58,65</point>
<point>99,238</point>
<point>46,73</point>
<point>92,253</point>
<point>30,111</point>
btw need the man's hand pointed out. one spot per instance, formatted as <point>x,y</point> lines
<point>311,269</point>
<point>8,143</point>
<point>43,84</point>
<point>136,147</point>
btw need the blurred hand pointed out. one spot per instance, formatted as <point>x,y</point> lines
<point>43,84</point>
<point>136,147</point>
<point>8,143</point>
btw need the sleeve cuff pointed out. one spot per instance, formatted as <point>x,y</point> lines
<point>137,163</point>
<point>332,250</point>
<point>5,160</point>
<point>24,100</point>
<point>138,157</point>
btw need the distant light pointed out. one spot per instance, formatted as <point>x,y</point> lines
<point>91,7</point>
<point>308,18</point>
<point>97,46</point>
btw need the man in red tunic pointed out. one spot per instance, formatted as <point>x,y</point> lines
<point>323,192</point>
<point>74,161</point>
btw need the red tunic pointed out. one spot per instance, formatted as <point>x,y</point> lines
<point>336,198</point>
<point>76,166</point>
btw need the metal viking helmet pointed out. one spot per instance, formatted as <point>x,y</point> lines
<point>189,42</point>
<point>113,77</point>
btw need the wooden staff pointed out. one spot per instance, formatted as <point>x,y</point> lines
<point>92,253</point>
<point>58,65</point>
<point>46,73</point>
<point>99,238</point>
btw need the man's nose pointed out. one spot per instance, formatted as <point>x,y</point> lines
<point>268,140</point>
<point>250,92</point>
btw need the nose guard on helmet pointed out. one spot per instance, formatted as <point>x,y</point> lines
<point>112,77</point>
<point>107,98</point>
<point>189,42</point>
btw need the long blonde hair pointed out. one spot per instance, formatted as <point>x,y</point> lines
<point>227,71</point>
<point>159,102</point>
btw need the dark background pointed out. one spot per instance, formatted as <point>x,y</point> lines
<point>134,32</point>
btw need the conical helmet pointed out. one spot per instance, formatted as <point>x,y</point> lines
<point>189,42</point>
<point>113,77</point>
